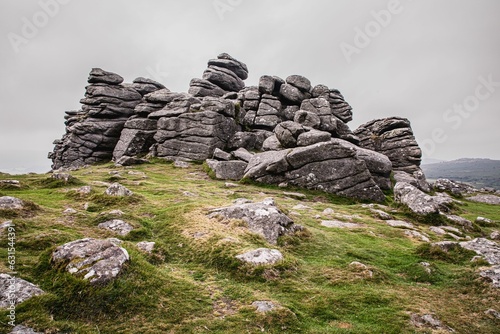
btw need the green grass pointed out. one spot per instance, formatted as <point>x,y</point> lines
<point>195,285</point>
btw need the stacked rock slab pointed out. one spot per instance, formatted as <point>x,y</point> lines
<point>224,74</point>
<point>93,132</point>
<point>137,136</point>
<point>394,138</point>
<point>330,166</point>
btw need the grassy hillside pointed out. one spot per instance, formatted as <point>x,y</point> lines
<point>477,172</point>
<point>193,284</point>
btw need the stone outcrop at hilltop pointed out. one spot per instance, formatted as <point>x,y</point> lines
<point>283,131</point>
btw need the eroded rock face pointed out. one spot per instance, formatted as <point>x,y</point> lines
<point>418,201</point>
<point>93,132</point>
<point>263,218</point>
<point>329,166</point>
<point>394,138</point>
<point>98,261</point>
<point>14,290</point>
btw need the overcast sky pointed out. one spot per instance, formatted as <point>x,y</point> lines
<point>434,62</point>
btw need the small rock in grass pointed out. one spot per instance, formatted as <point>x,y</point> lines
<point>118,190</point>
<point>264,306</point>
<point>416,235</point>
<point>146,246</point>
<point>116,225</point>
<point>339,224</point>
<point>261,256</point>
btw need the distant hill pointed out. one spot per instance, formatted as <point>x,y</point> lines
<point>478,172</point>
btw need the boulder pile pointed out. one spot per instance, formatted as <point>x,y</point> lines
<point>283,131</point>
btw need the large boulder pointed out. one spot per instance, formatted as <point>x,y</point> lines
<point>420,202</point>
<point>98,261</point>
<point>263,218</point>
<point>328,166</point>
<point>394,138</point>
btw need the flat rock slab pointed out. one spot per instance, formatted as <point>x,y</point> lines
<point>261,256</point>
<point>339,224</point>
<point>489,199</point>
<point>14,290</point>
<point>117,226</point>
<point>399,223</point>
<point>263,218</point>
<point>489,250</point>
<point>96,260</point>
<point>11,203</point>
<point>418,201</point>
<point>416,235</point>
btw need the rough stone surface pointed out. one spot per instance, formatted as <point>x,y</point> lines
<point>394,138</point>
<point>418,201</point>
<point>484,198</point>
<point>429,321</point>
<point>263,218</point>
<point>11,203</point>
<point>146,246</point>
<point>416,179</point>
<point>20,329</point>
<point>228,170</point>
<point>453,187</point>
<point>489,250</point>
<point>261,256</point>
<point>14,290</point>
<point>117,189</point>
<point>99,261</point>
<point>416,235</point>
<point>117,226</point>
<point>328,166</point>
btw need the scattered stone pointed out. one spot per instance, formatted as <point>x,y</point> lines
<point>146,246</point>
<point>426,266</point>
<point>11,183</point>
<point>451,229</point>
<point>418,201</point>
<point>437,230</point>
<point>301,207</point>
<point>231,185</point>
<point>482,220</point>
<point>20,329</point>
<point>263,218</point>
<point>416,235</point>
<point>116,212</point>
<point>495,235</point>
<point>181,164</point>
<point>85,190</point>
<point>491,312</point>
<point>339,224</point>
<point>99,261</point>
<point>14,290</point>
<point>456,237</point>
<point>189,194</point>
<point>264,306</point>
<point>261,256</point>
<point>460,221</point>
<point>361,267</point>
<point>445,245</point>
<point>117,226</point>
<point>399,223</point>
<point>65,177</point>
<point>328,211</point>
<point>5,225</point>
<point>240,201</point>
<point>492,275</point>
<point>483,198</point>
<point>11,203</point>
<point>381,214</point>
<point>228,170</point>
<point>118,190</point>
<point>455,188</point>
<point>429,321</point>
<point>70,211</point>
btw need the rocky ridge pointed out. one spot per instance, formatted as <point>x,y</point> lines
<point>237,127</point>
